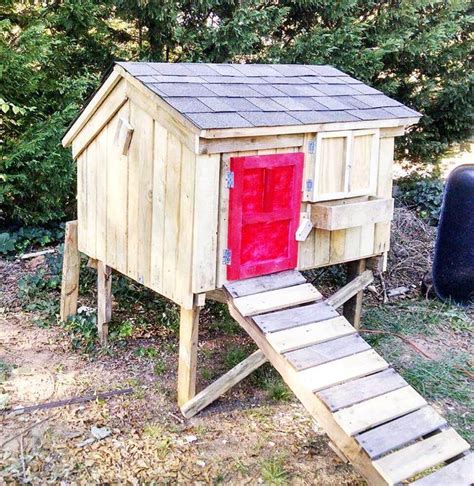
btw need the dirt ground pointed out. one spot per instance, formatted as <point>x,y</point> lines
<point>245,438</point>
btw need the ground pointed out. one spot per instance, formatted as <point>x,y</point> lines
<point>257,433</point>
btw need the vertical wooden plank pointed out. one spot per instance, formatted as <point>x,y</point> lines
<point>367,237</point>
<point>104,300</point>
<point>101,228</point>
<point>82,202</point>
<point>352,309</point>
<point>184,262</point>
<point>338,246</point>
<point>158,212</point>
<point>71,269</point>
<point>117,198</point>
<point>384,189</point>
<point>352,243</point>
<point>91,181</point>
<point>206,202</point>
<point>188,342</point>
<point>144,133</point>
<point>322,247</point>
<point>223,221</point>
<point>306,250</point>
<point>172,208</point>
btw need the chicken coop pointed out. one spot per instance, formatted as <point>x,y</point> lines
<point>223,181</point>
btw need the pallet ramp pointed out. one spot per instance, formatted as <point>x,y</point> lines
<point>370,413</point>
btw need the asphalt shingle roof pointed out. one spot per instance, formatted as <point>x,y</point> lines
<point>258,95</point>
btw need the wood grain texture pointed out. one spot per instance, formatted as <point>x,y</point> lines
<point>459,473</point>
<point>71,270</point>
<point>104,301</point>
<point>273,300</point>
<point>313,333</point>
<point>405,463</point>
<point>317,354</point>
<point>249,286</point>
<point>379,410</point>
<point>362,389</point>
<point>400,432</point>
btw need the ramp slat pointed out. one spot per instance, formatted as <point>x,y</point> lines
<point>329,351</point>
<point>357,391</point>
<point>399,432</point>
<point>379,410</point>
<point>255,285</point>
<point>343,369</point>
<point>459,473</point>
<point>298,316</point>
<point>273,300</point>
<point>316,332</point>
<point>416,458</point>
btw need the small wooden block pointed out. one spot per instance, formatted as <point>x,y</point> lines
<point>344,369</point>
<point>329,351</point>
<point>414,459</point>
<point>273,300</point>
<point>399,432</point>
<point>357,391</point>
<point>379,410</point>
<point>256,285</point>
<point>459,473</point>
<point>294,317</point>
<point>313,333</point>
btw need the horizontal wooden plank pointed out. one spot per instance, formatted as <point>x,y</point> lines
<point>313,333</point>
<point>401,431</point>
<point>273,300</point>
<point>414,459</point>
<point>458,473</point>
<point>349,213</point>
<point>294,317</point>
<point>317,354</point>
<point>357,391</point>
<point>344,369</point>
<point>379,410</point>
<point>274,281</point>
<point>243,144</point>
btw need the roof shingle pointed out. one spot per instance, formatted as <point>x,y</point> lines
<point>257,95</point>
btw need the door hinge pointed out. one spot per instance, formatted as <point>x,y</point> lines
<point>229,179</point>
<point>227,256</point>
<point>312,146</point>
<point>309,185</point>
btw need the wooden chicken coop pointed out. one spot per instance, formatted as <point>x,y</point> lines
<point>225,180</point>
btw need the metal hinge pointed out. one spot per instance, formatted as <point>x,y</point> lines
<point>229,179</point>
<point>309,185</point>
<point>312,146</point>
<point>227,256</point>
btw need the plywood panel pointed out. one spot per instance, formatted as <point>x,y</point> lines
<point>91,182</point>
<point>206,207</point>
<point>363,169</point>
<point>330,165</point>
<point>160,149</point>
<point>101,227</point>
<point>82,201</point>
<point>117,197</point>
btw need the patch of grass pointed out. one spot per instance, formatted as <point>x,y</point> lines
<point>159,367</point>
<point>207,374</point>
<point>277,390</point>
<point>153,430</point>
<point>5,371</point>
<point>120,331</point>
<point>417,317</point>
<point>221,321</point>
<point>146,352</point>
<point>235,355</point>
<point>82,329</point>
<point>273,471</point>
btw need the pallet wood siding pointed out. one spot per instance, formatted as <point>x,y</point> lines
<point>150,214</point>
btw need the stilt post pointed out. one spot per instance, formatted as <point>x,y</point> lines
<point>188,343</point>
<point>352,309</point>
<point>71,268</point>
<point>104,300</point>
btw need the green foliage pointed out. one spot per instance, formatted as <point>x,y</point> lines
<point>424,195</point>
<point>274,471</point>
<point>53,54</point>
<point>277,390</point>
<point>146,352</point>
<point>82,329</point>
<point>27,238</point>
<point>234,355</point>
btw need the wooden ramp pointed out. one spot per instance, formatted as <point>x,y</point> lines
<point>370,413</point>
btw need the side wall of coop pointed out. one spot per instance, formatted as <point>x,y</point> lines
<point>147,205</point>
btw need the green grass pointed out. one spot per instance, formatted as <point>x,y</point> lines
<point>235,354</point>
<point>274,472</point>
<point>5,371</point>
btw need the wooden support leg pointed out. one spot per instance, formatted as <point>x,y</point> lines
<point>104,300</point>
<point>188,342</point>
<point>352,309</point>
<point>223,384</point>
<point>71,268</point>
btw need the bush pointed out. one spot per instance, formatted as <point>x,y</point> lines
<point>25,239</point>
<point>424,195</point>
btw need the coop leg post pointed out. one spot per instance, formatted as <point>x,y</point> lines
<point>188,342</point>
<point>352,309</point>
<point>104,300</point>
<point>71,267</point>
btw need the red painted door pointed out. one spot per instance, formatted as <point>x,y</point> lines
<point>264,214</point>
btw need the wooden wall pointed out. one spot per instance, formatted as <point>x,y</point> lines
<point>150,214</point>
